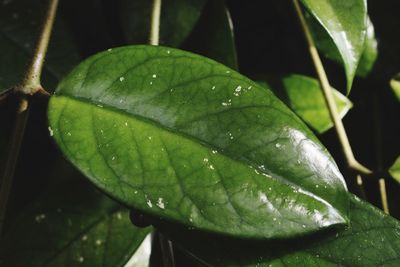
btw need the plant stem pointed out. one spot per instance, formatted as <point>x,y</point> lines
<point>12,157</point>
<point>378,152</point>
<point>30,85</point>
<point>328,95</point>
<point>31,82</point>
<point>155,23</point>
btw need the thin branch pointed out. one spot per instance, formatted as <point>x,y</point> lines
<point>31,81</point>
<point>29,86</point>
<point>328,95</point>
<point>12,156</point>
<point>155,23</point>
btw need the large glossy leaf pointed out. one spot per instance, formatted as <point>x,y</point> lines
<point>394,170</point>
<point>372,239</point>
<point>326,45</point>
<point>19,22</point>
<point>213,35</point>
<point>346,22</point>
<point>178,18</point>
<point>304,96</point>
<point>72,225</point>
<point>185,138</point>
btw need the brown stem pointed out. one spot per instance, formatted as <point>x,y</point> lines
<point>30,85</point>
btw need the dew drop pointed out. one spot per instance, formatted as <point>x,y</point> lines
<point>160,203</point>
<point>50,131</point>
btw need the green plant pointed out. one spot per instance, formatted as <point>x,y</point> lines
<point>221,169</point>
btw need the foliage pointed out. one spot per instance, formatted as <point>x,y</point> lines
<point>177,136</point>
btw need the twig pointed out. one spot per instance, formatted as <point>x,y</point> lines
<point>155,23</point>
<point>30,85</point>
<point>328,95</point>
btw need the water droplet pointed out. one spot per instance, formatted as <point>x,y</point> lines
<point>126,123</point>
<point>154,75</point>
<point>149,137</point>
<point>237,90</point>
<point>316,186</point>
<point>168,52</point>
<point>40,217</point>
<point>228,71</point>
<point>151,83</point>
<point>160,203</point>
<point>121,79</point>
<point>50,131</point>
<point>98,242</point>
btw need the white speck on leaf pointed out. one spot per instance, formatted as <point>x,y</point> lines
<point>278,145</point>
<point>160,203</point>
<point>121,79</point>
<point>51,131</point>
<point>84,238</point>
<point>149,203</point>
<point>98,242</point>
<point>154,75</point>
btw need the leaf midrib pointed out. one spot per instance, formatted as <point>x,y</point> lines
<point>243,160</point>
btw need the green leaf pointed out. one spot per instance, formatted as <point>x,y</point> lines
<point>328,48</point>
<point>394,170</point>
<point>372,239</point>
<point>19,22</point>
<point>179,136</point>
<point>395,84</point>
<point>213,35</point>
<point>345,21</point>
<point>178,18</point>
<point>304,96</point>
<point>370,53</point>
<point>72,224</point>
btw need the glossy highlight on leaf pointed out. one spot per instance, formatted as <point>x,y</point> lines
<point>372,239</point>
<point>346,22</point>
<point>304,96</point>
<point>182,137</point>
<point>72,224</point>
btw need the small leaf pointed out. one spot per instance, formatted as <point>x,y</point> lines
<point>370,53</point>
<point>179,136</point>
<point>213,35</point>
<point>71,225</point>
<point>178,18</point>
<point>19,22</point>
<point>395,84</point>
<point>346,22</point>
<point>304,96</point>
<point>326,45</point>
<point>394,170</point>
<point>372,239</point>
